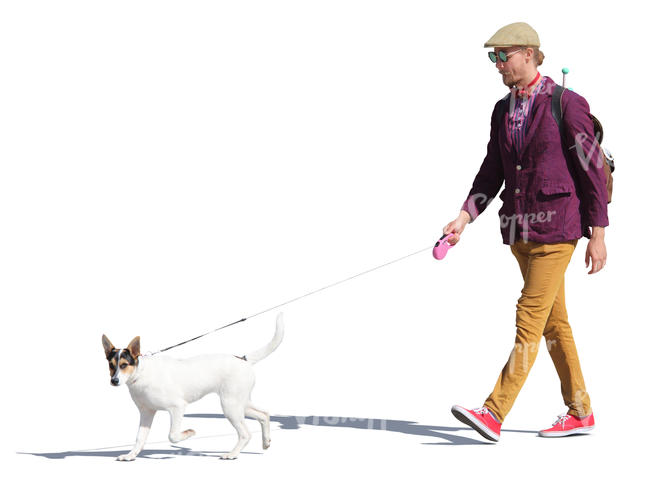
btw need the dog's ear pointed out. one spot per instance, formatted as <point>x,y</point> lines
<point>108,346</point>
<point>134,347</point>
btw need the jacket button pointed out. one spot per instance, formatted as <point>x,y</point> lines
<point>517,191</point>
<point>518,167</point>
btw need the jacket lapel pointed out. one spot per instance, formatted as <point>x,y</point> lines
<point>506,140</point>
<point>542,101</point>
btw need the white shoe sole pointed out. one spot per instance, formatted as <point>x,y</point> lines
<point>467,418</point>
<point>572,432</point>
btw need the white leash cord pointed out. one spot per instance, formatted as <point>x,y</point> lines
<point>296,299</point>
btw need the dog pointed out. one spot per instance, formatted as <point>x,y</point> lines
<point>161,383</point>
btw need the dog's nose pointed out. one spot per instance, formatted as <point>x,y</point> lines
<point>115,381</point>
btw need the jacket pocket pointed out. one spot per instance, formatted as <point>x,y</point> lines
<point>553,200</point>
<point>554,190</point>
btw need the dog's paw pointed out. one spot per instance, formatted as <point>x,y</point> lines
<point>266,444</point>
<point>229,456</point>
<point>126,457</point>
<point>175,438</point>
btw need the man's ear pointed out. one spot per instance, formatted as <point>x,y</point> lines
<point>530,54</point>
<point>108,346</point>
<point>134,347</point>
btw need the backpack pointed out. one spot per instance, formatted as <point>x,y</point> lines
<point>607,160</point>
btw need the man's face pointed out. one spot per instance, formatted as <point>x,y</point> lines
<point>512,70</point>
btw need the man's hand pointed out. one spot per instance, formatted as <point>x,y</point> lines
<point>596,251</point>
<point>456,226</point>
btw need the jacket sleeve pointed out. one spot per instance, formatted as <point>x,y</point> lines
<point>489,179</point>
<point>584,152</point>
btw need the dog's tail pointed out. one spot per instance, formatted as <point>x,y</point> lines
<point>262,353</point>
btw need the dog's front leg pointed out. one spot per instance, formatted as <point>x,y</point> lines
<point>146,418</point>
<point>175,433</point>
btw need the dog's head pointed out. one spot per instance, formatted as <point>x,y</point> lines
<point>122,363</point>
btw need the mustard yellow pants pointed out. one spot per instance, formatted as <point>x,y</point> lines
<point>541,312</point>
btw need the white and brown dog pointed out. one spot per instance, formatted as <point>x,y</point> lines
<point>158,383</point>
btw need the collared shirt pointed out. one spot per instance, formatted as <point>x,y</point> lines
<point>519,119</point>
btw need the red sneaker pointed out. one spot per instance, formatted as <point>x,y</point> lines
<point>479,419</point>
<point>567,425</point>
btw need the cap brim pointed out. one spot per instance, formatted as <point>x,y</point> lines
<point>499,45</point>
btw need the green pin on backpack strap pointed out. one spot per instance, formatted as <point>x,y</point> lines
<point>565,71</point>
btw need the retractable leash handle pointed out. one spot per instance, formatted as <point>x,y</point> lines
<point>442,246</point>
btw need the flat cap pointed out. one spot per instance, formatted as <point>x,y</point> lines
<point>515,34</point>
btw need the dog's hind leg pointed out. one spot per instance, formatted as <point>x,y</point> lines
<point>175,433</point>
<point>264,419</point>
<point>234,412</point>
<point>146,418</point>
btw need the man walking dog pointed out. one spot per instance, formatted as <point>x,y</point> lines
<point>555,192</point>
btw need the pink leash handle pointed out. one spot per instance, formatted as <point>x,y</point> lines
<point>442,246</point>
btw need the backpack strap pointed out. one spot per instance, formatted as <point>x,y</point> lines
<point>556,108</point>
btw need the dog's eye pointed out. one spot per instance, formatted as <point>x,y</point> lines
<point>123,365</point>
<point>111,365</point>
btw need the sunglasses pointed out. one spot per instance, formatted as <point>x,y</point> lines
<point>501,55</point>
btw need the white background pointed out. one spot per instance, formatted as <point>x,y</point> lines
<point>169,167</point>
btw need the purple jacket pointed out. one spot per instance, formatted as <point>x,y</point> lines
<point>552,194</point>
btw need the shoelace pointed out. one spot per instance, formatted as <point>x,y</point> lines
<point>481,410</point>
<point>561,419</point>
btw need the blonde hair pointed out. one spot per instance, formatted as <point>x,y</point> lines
<point>538,56</point>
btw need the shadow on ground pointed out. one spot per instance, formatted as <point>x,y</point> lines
<point>448,435</point>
